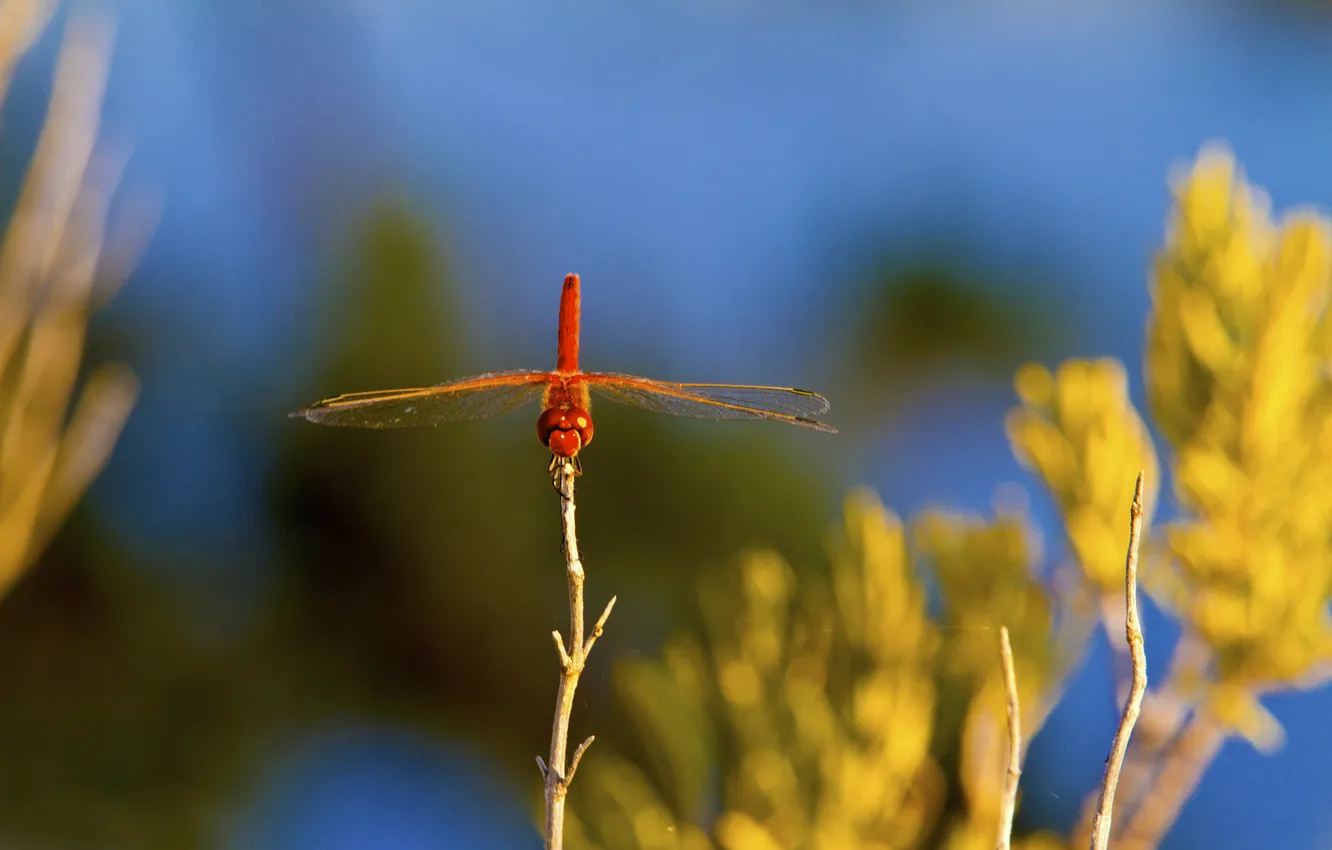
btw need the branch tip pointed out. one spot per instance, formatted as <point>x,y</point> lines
<point>599,627</point>
<point>578,757</point>
<point>1135,509</point>
<point>565,660</point>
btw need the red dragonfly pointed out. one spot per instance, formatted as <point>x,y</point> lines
<point>565,425</point>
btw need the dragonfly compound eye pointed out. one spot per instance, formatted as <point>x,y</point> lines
<point>565,430</point>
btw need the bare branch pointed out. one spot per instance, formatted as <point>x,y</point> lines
<point>1164,713</point>
<point>599,627</point>
<point>577,757</point>
<point>1133,632</point>
<point>1181,771</point>
<point>565,660</point>
<point>1008,803</point>
<point>572,661</point>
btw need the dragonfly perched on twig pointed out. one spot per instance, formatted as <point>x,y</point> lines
<point>565,424</point>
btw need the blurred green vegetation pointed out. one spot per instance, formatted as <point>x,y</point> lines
<point>931,311</point>
<point>936,312</point>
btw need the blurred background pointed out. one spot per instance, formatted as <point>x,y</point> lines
<point>257,633</point>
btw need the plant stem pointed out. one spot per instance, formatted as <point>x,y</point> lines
<point>572,661</point>
<point>1014,773</point>
<point>1164,712</point>
<point>1133,631</point>
<point>1184,765</point>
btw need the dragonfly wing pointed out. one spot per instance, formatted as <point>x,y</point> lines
<point>713,401</point>
<point>476,397</point>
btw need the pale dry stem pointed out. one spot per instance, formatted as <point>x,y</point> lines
<point>1013,774</point>
<point>1101,823</point>
<point>1164,712</point>
<point>573,658</point>
<point>1184,765</point>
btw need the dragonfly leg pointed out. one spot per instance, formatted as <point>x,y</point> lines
<point>562,472</point>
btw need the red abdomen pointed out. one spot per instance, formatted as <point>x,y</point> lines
<point>566,360</point>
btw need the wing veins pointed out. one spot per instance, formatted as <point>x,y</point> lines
<point>647,393</point>
<point>474,397</point>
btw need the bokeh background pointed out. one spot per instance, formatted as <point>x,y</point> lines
<point>256,633</point>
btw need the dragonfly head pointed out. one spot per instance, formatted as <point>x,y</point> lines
<point>565,430</point>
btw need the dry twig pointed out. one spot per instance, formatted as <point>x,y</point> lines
<point>572,660</point>
<point>1008,803</point>
<point>1164,712</point>
<point>1133,629</point>
<point>1182,769</point>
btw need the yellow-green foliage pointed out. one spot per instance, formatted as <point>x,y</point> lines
<point>983,567</point>
<point>1236,370</point>
<point>49,262</point>
<point>824,700</point>
<point>950,547</point>
<point>1236,375</point>
<point>860,711</point>
<point>820,706</point>
<point>1078,430</point>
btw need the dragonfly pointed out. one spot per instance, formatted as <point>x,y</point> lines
<point>565,424</point>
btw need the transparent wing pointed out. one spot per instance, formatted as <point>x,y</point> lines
<point>713,401</point>
<point>467,398</point>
